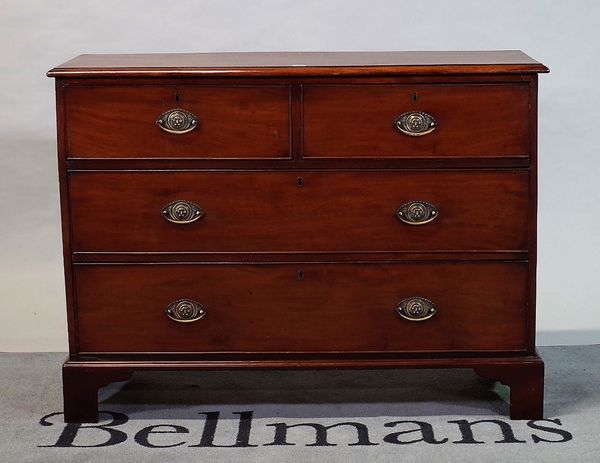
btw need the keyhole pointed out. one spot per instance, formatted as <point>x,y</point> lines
<point>299,182</point>
<point>300,274</point>
<point>177,97</point>
<point>413,97</point>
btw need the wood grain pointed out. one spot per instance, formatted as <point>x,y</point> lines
<point>472,120</point>
<point>234,122</point>
<point>265,120</point>
<point>335,307</point>
<point>268,212</point>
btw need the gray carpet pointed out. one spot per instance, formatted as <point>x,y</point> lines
<point>393,415</point>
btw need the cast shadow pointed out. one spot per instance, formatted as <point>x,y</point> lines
<point>308,394</point>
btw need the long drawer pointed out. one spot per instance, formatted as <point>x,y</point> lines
<point>325,308</point>
<point>122,121</point>
<point>462,121</point>
<point>298,211</point>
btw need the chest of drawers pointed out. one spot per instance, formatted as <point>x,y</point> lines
<point>299,210</point>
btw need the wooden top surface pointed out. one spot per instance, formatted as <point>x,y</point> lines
<point>300,64</point>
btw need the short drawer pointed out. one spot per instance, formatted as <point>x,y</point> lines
<point>230,121</point>
<point>332,308</point>
<point>468,121</point>
<point>123,211</point>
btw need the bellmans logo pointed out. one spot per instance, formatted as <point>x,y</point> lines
<point>397,432</point>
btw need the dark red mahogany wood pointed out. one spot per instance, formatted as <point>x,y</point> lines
<point>269,212</point>
<point>81,386</point>
<point>526,383</point>
<point>233,122</point>
<point>299,258</point>
<point>333,307</point>
<point>301,64</point>
<point>357,120</point>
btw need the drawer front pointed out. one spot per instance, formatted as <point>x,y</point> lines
<point>232,122</point>
<point>470,120</point>
<point>298,211</point>
<point>334,307</point>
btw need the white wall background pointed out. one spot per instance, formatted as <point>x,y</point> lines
<point>38,34</point>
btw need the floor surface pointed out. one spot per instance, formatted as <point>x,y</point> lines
<point>303,416</point>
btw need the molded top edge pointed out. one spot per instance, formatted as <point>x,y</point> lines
<point>271,64</point>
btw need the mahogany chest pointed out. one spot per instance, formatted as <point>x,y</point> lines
<point>299,210</point>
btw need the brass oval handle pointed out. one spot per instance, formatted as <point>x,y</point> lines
<point>182,212</point>
<point>416,309</point>
<point>417,213</point>
<point>415,123</point>
<point>177,121</point>
<point>185,311</point>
